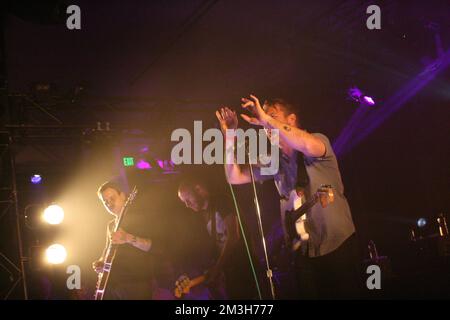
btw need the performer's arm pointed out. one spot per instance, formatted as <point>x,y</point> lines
<point>122,237</point>
<point>296,138</point>
<point>235,173</point>
<point>140,243</point>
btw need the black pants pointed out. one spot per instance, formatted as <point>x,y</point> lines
<point>130,290</point>
<point>332,276</point>
<point>239,280</point>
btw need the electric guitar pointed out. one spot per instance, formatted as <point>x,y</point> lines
<point>184,285</point>
<point>110,254</point>
<point>294,211</point>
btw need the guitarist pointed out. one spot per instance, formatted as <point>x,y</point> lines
<point>327,264</point>
<point>231,264</point>
<point>131,273</point>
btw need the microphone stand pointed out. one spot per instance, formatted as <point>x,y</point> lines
<point>269,272</point>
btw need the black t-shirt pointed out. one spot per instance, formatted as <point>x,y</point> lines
<point>238,275</point>
<point>222,206</point>
<point>131,263</point>
<point>218,210</point>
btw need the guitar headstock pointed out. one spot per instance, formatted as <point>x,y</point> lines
<point>325,194</point>
<point>132,195</point>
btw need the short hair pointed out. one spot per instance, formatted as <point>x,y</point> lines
<point>287,107</point>
<point>189,183</point>
<point>107,185</point>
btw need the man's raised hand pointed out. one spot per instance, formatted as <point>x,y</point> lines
<point>253,105</point>
<point>227,119</point>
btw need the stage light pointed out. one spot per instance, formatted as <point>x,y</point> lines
<point>143,165</point>
<point>36,179</point>
<point>144,149</point>
<point>422,222</point>
<point>53,214</point>
<point>369,101</point>
<point>56,254</point>
<point>357,95</point>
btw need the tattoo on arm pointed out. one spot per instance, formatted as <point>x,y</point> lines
<point>287,128</point>
<point>141,243</point>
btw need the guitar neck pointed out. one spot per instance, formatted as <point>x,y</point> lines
<point>103,277</point>
<point>192,283</point>
<point>197,281</point>
<point>121,215</point>
<point>125,209</point>
<point>305,208</point>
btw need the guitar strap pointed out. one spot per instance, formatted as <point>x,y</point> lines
<point>302,182</point>
<point>302,175</point>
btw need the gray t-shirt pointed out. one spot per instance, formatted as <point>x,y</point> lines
<point>328,227</point>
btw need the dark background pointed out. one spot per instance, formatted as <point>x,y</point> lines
<point>148,67</point>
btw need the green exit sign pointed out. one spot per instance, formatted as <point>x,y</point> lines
<point>128,161</point>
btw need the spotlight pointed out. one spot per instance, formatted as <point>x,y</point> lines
<point>357,95</point>
<point>53,214</point>
<point>144,149</point>
<point>56,254</point>
<point>143,165</point>
<point>422,222</point>
<point>369,101</point>
<point>36,179</point>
